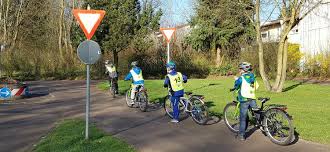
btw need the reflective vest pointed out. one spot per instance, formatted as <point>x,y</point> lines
<point>176,81</point>
<point>136,77</point>
<point>248,91</point>
<point>111,69</point>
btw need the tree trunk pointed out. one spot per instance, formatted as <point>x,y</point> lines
<point>279,64</point>
<point>284,68</point>
<point>5,22</point>
<point>218,60</point>
<point>18,19</point>
<point>60,30</point>
<point>260,48</point>
<point>115,58</point>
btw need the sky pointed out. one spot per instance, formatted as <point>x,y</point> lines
<point>178,12</point>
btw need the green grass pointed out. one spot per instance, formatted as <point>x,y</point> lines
<point>69,136</point>
<point>309,104</point>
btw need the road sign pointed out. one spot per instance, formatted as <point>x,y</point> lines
<point>5,93</point>
<point>168,33</point>
<point>89,52</point>
<point>89,20</point>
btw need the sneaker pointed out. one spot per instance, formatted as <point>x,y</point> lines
<point>241,138</point>
<point>174,121</point>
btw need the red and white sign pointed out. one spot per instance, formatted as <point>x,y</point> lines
<point>168,33</point>
<point>89,20</point>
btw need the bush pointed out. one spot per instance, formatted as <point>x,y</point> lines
<point>152,62</point>
<point>317,65</point>
<point>225,70</point>
<point>270,56</point>
<point>294,58</point>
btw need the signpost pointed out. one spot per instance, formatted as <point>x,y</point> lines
<point>168,33</point>
<point>89,51</point>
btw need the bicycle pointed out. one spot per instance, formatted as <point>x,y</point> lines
<point>193,106</point>
<point>279,131</point>
<point>141,98</point>
<point>112,87</point>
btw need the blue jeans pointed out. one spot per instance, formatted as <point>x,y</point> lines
<point>244,107</point>
<point>175,103</point>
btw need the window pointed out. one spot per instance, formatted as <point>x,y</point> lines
<point>264,35</point>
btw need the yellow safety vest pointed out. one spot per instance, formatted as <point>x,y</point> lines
<point>176,81</point>
<point>247,91</point>
<point>111,69</point>
<point>136,77</point>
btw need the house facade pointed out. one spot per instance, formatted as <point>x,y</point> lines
<point>312,33</point>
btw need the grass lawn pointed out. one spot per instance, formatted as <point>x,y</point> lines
<point>69,136</point>
<point>309,104</point>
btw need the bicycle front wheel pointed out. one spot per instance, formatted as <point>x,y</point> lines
<point>231,116</point>
<point>168,107</point>
<point>128,99</point>
<point>278,126</point>
<point>199,112</point>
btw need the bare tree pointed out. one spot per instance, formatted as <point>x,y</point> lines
<point>10,18</point>
<point>292,12</point>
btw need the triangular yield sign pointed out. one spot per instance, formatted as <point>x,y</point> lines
<point>168,33</point>
<point>89,20</point>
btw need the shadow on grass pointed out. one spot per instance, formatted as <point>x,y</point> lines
<point>215,117</point>
<point>292,87</point>
<point>210,104</point>
<point>205,86</point>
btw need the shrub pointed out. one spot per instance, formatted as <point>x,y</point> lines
<point>317,65</point>
<point>270,57</point>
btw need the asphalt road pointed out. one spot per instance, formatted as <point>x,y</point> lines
<point>25,121</point>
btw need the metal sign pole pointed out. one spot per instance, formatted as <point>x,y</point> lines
<point>87,99</point>
<point>168,52</point>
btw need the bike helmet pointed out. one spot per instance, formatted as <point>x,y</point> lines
<point>245,66</point>
<point>134,63</point>
<point>171,65</point>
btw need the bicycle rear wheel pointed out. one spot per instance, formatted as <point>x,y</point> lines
<point>143,101</point>
<point>168,107</point>
<point>278,126</point>
<point>231,116</point>
<point>199,112</point>
<point>112,91</point>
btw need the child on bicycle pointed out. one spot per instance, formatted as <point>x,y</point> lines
<point>246,86</point>
<point>110,69</point>
<point>136,74</point>
<point>174,81</point>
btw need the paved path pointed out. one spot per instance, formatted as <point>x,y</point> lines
<point>24,123</point>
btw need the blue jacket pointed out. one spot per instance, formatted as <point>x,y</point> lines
<point>249,77</point>
<point>129,76</point>
<point>167,83</point>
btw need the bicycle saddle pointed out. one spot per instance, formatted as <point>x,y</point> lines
<point>188,93</point>
<point>263,99</point>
